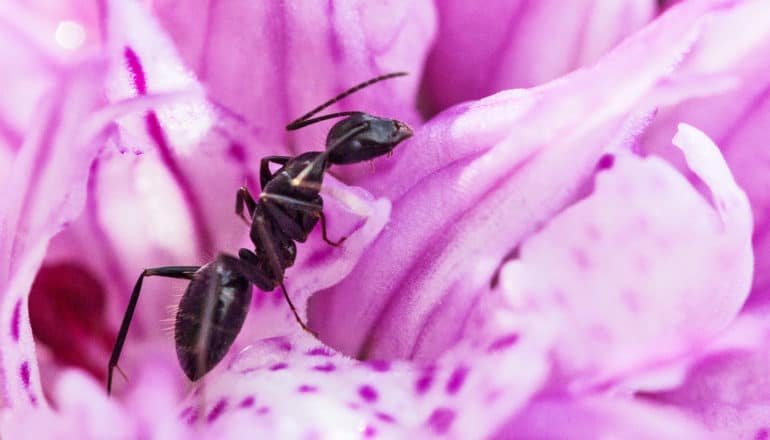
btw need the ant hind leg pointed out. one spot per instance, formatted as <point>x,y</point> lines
<point>179,272</point>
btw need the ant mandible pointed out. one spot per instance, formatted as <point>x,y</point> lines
<point>214,305</point>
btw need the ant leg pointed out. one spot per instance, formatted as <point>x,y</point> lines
<point>294,311</point>
<point>183,272</point>
<point>261,229</point>
<point>323,231</point>
<point>264,167</point>
<point>243,198</point>
<point>308,207</point>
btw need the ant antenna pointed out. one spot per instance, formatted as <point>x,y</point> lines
<point>304,120</point>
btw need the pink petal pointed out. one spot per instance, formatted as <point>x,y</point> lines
<point>737,118</point>
<point>468,393</point>
<point>522,153</point>
<point>644,268</point>
<point>728,390</point>
<point>44,190</point>
<point>267,64</point>
<point>486,47</point>
<point>591,418</point>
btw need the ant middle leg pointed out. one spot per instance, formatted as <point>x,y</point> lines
<point>314,209</point>
<point>179,272</point>
<point>294,311</point>
<point>260,228</point>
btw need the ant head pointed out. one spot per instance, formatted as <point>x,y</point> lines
<point>374,137</point>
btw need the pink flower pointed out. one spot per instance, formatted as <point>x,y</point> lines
<point>568,260</point>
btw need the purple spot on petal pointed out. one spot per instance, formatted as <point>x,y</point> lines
<point>424,382</point>
<point>456,379</point>
<point>247,402</point>
<point>385,417</point>
<point>326,368</point>
<point>237,152</point>
<point>285,345</point>
<point>192,417</point>
<point>503,342</point>
<point>379,365</point>
<point>367,393</point>
<point>24,373</point>
<point>263,410</point>
<point>186,412</point>
<point>581,258</point>
<point>217,411</point>
<point>319,351</point>
<point>605,162</point>
<point>307,389</point>
<point>762,434</point>
<point>279,366</point>
<point>441,420</point>
<point>369,431</point>
<point>15,321</point>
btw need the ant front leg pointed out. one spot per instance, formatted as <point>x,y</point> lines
<point>243,198</point>
<point>180,272</point>
<point>264,167</point>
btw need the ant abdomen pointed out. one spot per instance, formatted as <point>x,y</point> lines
<point>210,315</point>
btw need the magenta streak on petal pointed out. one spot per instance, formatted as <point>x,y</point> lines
<point>368,393</point>
<point>726,141</point>
<point>101,6</point>
<point>24,373</point>
<point>263,410</point>
<point>503,342</point>
<point>12,137</point>
<point>326,368</point>
<point>335,48</point>
<point>238,153</point>
<point>379,366</point>
<point>507,39</point>
<point>217,411</point>
<point>432,245</point>
<point>437,313</point>
<point>279,366</point>
<point>441,420</point>
<point>578,39</point>
<point>15,321</point>
<point>319,351</point>
<point>457,379</point>
<point>385,417</point>
<point>136,71</point>
<point>762,434</point>
<point>204,240</point>
<point>369,431</point>
<point>204,62</point>
<point>278,27</point>
<point>41,159</point>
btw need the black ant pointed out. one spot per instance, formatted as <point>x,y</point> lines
<point>214,305</point>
